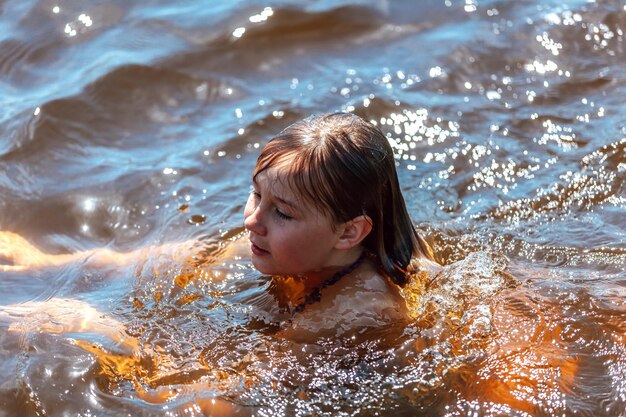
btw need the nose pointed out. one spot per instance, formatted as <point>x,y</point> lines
<point>253,221</point>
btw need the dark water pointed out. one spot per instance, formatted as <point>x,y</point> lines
<point>508,122</point>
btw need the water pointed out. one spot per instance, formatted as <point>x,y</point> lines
<point>128,126</point>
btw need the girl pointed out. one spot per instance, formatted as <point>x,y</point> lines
<point>326,208</point>
<point>326,218</point>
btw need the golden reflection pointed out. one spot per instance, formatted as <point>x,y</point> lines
<point>138,304</point>
<point>529,359</point>
<point>115,366</point>
<point>182,280</point>
<point>188,298</point>
<point>292,290</point>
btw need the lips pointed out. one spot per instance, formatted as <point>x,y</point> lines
<point>258,250</point>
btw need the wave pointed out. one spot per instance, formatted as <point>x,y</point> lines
<point>18,58</point>
<point>288,32</point>
<point>130,99</point>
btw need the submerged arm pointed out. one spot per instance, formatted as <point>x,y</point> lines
<point>17,254</point>
<point>60,315</point>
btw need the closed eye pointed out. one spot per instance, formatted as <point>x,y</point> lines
<point>282,215</point>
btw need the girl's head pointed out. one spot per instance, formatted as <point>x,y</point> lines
<point>342,167</point>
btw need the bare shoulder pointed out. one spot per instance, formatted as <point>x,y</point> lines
<point>364,300</point>
<point>370,292</point>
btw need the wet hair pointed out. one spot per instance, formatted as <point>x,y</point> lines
<point>345,166</point>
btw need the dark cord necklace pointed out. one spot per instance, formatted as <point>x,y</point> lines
<point>315,295</point>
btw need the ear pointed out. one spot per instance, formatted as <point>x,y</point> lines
<point>354,231</point>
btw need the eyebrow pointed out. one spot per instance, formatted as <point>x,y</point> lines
<point>287,202</point>
<point>282,200</point>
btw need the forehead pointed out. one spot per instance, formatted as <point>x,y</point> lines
<point>281,182</point>
<point>277,179</point>
<point>294,173</point>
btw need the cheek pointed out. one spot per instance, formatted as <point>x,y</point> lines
<point>301,245</point>
<point>290,258</point>
<point>287,243</point>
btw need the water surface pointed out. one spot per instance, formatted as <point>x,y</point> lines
<point>132,125</point>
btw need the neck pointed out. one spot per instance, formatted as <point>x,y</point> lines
<point>315,279</point>
<point>315,293</point>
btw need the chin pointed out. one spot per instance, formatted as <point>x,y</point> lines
<point>264,269</point>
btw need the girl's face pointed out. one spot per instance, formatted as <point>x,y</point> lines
<point>288,235</point>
